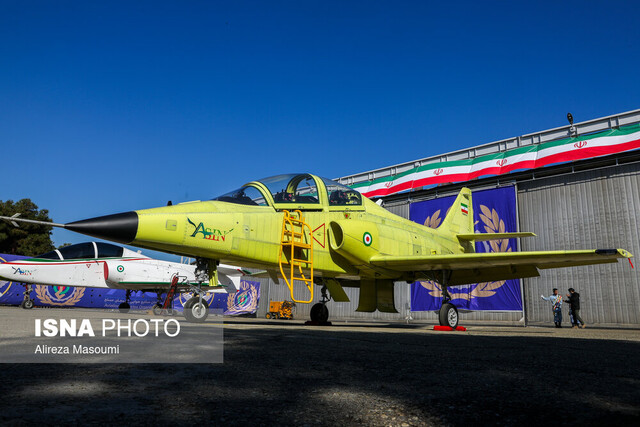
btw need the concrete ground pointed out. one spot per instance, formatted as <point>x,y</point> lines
<point>286,373</point>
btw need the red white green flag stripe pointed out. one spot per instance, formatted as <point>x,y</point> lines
<point>522,158</point>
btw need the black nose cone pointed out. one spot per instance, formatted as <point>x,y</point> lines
<point>121,228</point>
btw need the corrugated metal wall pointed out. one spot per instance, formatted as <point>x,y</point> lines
<point>347,310</point>
<point>585,210</point>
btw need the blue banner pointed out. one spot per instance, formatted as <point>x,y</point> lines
<point>12,293</point>
<point>494,211</point>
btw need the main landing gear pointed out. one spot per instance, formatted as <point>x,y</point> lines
<point>27,302</point>
<point>319,311</point>
<point>448,315</point>
<point>124,307</point>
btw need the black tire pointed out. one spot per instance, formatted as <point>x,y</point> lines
<point>268,315</point>
<point>124,307</point>
<point>194,311</point>
<point>189,303</point>
<point>157,309</point>
<point>448,315</point>
<point>27,304</point>
<point>319,313</point>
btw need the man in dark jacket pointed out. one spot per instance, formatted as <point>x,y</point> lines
<point>573,298</point>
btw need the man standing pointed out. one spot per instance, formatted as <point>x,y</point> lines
<point>556,300</point>
<point>573,298</point>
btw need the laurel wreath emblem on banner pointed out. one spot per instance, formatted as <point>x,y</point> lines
<point>43,295</point>
<point>4,287</point>
<point>183,297</point>
<point>492,224</point>
<point>3,283</point>
<point>250,295</point>
<point>433,221</point>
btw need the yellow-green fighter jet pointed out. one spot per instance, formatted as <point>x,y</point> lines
<point>310,230</point>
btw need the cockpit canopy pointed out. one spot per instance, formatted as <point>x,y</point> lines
<point>294,189</point>
<point>88,250</point>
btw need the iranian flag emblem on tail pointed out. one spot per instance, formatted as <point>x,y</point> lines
<point>464,208</point>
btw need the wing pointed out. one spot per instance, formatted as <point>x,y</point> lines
<point>482,267</point>
<point>481,237</point>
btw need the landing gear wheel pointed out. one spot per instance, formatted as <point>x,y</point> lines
<point>27,304</point>
<point>319,313</point>
<point>124,307</point>
<point>194,311</point>
<point>157,309</point>
<point>448,315</point>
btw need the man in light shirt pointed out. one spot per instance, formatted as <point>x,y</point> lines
<point>556,300</point>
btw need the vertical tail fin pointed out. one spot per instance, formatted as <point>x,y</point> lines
<point>459,220</point>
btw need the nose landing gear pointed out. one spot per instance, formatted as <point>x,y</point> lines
<point>124,307</point>
<point>27,302</point>
<point>196,309</point>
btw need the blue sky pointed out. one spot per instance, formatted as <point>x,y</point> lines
<point>113,106</point>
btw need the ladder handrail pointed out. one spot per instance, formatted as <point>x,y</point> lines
<point>289,238</point>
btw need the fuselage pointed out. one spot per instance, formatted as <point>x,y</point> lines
<point>250,235</point>
<point>88,268</point>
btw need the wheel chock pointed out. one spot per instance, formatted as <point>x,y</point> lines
<point>448,328</point>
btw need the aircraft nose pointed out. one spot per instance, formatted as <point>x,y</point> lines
<point>121,227</point>
<point>6,272</point>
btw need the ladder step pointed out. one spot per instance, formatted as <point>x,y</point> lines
<point>296,262</point>
<point>297,245</point>
<point>292,232</point>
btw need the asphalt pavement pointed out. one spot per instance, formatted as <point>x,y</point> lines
<point>350,373</point>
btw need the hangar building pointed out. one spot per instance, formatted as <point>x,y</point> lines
<point>585,195</point>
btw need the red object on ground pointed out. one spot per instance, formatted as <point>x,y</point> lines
<point>448,328</point>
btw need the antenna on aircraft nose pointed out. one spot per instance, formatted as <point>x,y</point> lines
<point>12,219</point>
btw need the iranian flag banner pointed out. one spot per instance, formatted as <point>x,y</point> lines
<point>522,158</point>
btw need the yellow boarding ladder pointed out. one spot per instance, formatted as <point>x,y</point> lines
<point>296,252</point>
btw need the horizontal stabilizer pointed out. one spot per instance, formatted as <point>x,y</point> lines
<point>481,237</point>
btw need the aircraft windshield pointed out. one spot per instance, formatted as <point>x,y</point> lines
<point>295,188</point>
<point>244,196</point>
<point>49,255</point>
